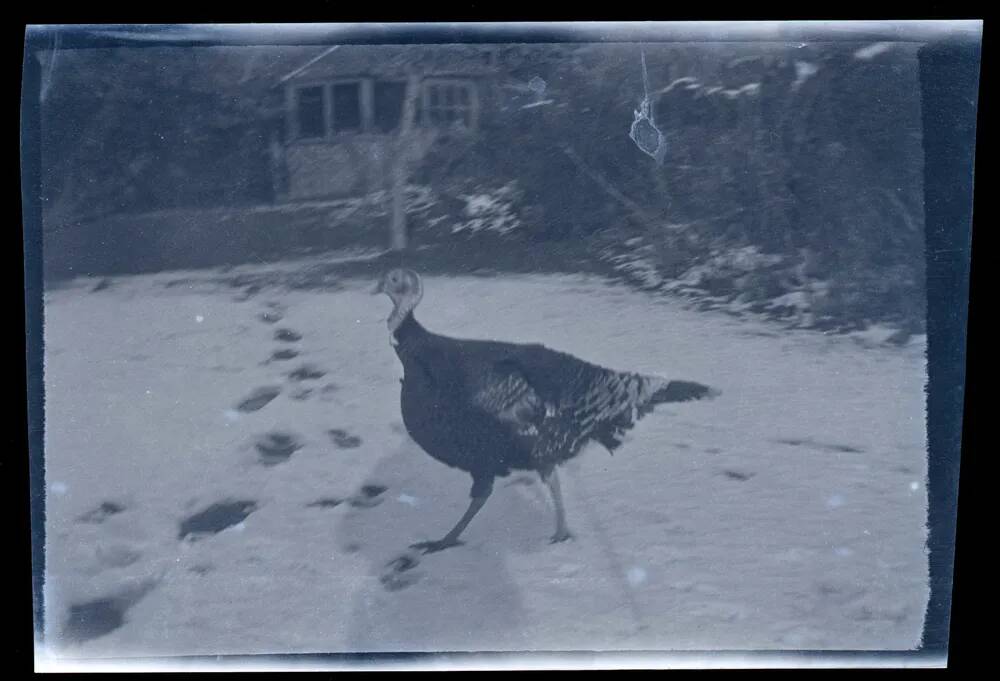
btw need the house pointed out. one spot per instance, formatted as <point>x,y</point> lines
<point>342,112</point>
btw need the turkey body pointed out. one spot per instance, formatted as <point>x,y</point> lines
<point>489,407</point>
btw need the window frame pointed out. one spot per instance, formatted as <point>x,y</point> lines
<point>397,81</point>
<point>468,84</point>
<point>294,123</point>
<point>366,94</point>
<point>364,106</point>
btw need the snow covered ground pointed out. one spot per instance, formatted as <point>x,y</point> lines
<point>789,513</point>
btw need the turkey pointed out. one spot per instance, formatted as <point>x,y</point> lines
<point>489,408</point>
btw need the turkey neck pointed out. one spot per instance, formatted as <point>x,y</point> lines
<point>405,327</point>
<point>401,312</point>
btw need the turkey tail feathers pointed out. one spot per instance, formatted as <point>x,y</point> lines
<point>683,391</point>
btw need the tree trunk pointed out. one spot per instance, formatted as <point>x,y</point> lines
<point>401,165</point>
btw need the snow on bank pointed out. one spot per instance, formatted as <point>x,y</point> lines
<point>789,513</point>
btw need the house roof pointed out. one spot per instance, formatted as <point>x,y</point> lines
<point>392,60</point>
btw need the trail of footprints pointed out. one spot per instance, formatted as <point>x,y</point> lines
<point>87,620</point>
<point>277,447</point>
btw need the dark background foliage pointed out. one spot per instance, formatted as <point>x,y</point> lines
<point>790,183</point>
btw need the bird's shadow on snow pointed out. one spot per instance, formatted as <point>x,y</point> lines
<point>463,598</point>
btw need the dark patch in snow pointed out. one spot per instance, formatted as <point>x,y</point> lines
<point>682,445</point>
<point>249,292</point>
<point>102,512</point>
<point>343,439</point>
<point>216,518</point>
<point>100,616</point>
<point>258,398</point>
<point>117,556</point>
<point>795,442</point>
<point>393,581</point>
<point>275,448</point>
<point>370,495</point>
<point>405,562</point>
<point>302,394</point>
<point>101,285</point>
<point>282,355</point>
<point>93,619</point>
<point>306,372</point>
<point>737,475</point>
<point>713,450</point>
<point>287,336</point>
<point>328,502</point>
<point>201,568</point>
<point>270,317</point>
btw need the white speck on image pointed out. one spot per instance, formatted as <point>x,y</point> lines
<point>231,415</point>
<point>59,488</point>
<point>835,501</point>
<point>199,318</point>
<point>407,499</point>
<point>914,486</point>
<point>636,576</point>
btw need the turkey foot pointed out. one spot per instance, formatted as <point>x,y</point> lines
<point>561,536</point>
<point>481,491</point>
<point>435,546</point>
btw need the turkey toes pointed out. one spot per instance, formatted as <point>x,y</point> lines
<point>435,546</point>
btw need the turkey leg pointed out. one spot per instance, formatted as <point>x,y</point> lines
<point>480,493</point>
<point>562,532</point>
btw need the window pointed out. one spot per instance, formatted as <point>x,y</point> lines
<point>449,102</point>
<point>362,105</point>
<point>309,108</point>
<point>346,106</point>
<point>388,105</point>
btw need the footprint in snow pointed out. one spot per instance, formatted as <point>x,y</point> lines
<point>822,446</point>
<point>287,336</point>
<point>328,502</point>
<point>270,316</point>
<point>306,372</point>
<point>282,355</point>
<point>738,475</point>
<point>301,394</point>
<point>216,518</point>
<point>92,619</point>
<point>116,556</point>
<point>258,399</point>
<point>343,439</point>
<point>276,447</point>
<point>101,513</point>
<point>327,392</point>
<point>369,496</point>
<point>248,293</point>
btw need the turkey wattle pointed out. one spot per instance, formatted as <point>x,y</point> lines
<point>490,407</point>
